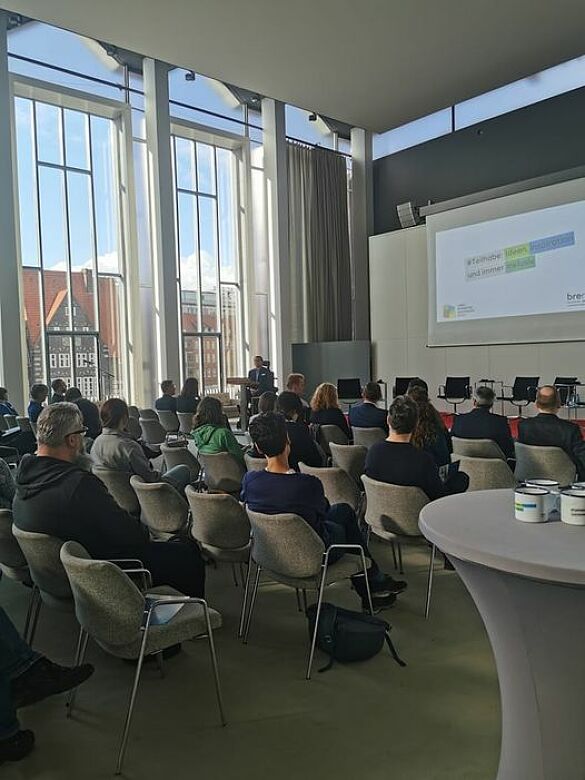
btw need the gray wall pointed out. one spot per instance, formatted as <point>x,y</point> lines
<point>533,141</point>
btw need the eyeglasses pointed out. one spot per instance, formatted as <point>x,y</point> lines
<point>81,432</point>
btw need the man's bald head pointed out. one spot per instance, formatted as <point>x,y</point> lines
<point>547,399</point>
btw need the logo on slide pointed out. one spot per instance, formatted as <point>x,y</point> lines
<point>449,312</point>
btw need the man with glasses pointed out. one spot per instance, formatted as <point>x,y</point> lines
<point>56,494</point>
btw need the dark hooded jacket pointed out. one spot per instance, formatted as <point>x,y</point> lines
<point>63,500</point>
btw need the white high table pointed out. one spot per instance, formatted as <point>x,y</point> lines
<point>528,582</point>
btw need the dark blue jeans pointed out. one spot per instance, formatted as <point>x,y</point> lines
<point>342,528</point>
<point>15,658</point>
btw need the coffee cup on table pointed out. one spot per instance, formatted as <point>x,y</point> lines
<point>530,504</point>
<point>552,503</point>
<point>573,506</point>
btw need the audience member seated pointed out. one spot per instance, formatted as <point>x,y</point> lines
<point>6,486</point>
<point>303,447</point>
<point>398,462</point>
<point>211,432</point>
<point>38,396</point>
<point>325,408</point>
<point>56,494</point>
<point>546,429</point>
<point>59,388</point>
<point>266,403</point>
<point>167,402</point>
<point>279,489</point>
<point>27,677</point>
<point>188,399</point>
<point>261,376</point>
<point>430,433</point>
<point>482,423</point>
<point>295,383</point>
<point>368,414</point>
<point>89,411</point>
<point>5,405</point>
<point>115,449</point>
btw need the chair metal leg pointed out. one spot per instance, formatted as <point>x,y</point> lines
<point>79,659</point>
<point>245,599</point>
<point>242,576</point>
<point>234,575</point>
<point>29,612</point>
<point>35,617</point>
<point>365,569</point>
<point>298,595</point>
<point>160,664</point>
<point>252,603</point>
<point>318,614</point>
<point>131,703</point>
<point>430,582</point>
<point>214,665</point>
<point>304,595</point>
<point>400,568</point>
<point>393,546</point>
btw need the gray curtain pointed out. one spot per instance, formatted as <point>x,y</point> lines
<point>320,279</point>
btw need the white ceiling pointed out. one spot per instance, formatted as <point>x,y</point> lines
<point>372,63</point>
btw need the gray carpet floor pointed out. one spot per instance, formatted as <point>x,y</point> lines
<point>436,719</point>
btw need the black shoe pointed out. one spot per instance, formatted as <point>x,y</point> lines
<point>44,678</point>
<point>388,583</point>
<point>379,601</point>
<point>17,747</point>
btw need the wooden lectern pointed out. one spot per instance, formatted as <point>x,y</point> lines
<point>244,383</point>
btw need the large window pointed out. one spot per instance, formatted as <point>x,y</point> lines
<point>208,268</point>
<point>72,264</point>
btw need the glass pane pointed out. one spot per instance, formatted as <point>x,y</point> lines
<point>227,198</point>
<point>27,199</point>
<point>185,164</point>
<point>208,262</point>
<point>81,251</point>
<point>76,139</point>
<point>187,217</point>
<point>54,246</point>
<point>412,134</point>
<point>211,365</point>
<point>106,201</point>
<point>111,337</point>
<point>138,124</point>
<point>31,288</point>
<point>206,168</point>
<point>191,358</point>
<point>60,360</point>
<point>49,138</point>
<point>230,329</point>
<point>86,366</point>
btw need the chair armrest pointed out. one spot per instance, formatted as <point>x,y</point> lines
<point>177,600</point>
<point>147,581</point>
<point>133,561</point>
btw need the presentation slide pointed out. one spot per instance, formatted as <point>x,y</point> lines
<point>526,264</point>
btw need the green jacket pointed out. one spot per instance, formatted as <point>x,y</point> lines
<point>210,440</point>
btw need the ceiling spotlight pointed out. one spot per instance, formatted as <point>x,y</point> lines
<point>313,117</point>
<point>190,75</point>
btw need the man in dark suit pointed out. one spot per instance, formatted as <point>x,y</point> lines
<point>262,376</point>
<point>482,423</point>
<point>546,429</point>
<point>167,402</point>
<point>368,414</point>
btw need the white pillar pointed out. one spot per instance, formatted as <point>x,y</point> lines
<point>276,176</point>
<point>12,349</point>
<point>163,241</point>
<point>362,227</point>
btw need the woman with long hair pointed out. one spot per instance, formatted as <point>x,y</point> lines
<point>188,399</point>
<point>325,408</point>
<point>211,432</point>
<point>430,433</point>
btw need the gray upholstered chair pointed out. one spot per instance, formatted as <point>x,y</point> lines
<point>3,423</point>
<point>477,448</point>
<point>133,428</point>
<point>223,472</point>
<point>152,430</point>
<point>351,458</point>
<point>221,527</point>
<point>147,414</point>
<point>486,473</point>
<point>255,464</point>
<point>181,456</point>
<point>24,424</point>
<point>51,586</point>
<point>543,463</point>
<point>118,485</point>
<point>117,616</point>
<point>133,411</point>
<point>288,551</point>
<point>185,422</point>
<point>13,564</point>
<point>329,434</point>
<point>10,421</point>
<point>368,436</point>
<point>392,513</point>
<point>169,420</point>
<point>163,509</point>
<point>339,487</point>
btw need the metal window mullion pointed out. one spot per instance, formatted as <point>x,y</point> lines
<point>96,304</point>
<point>182,357</point>
<point>43,329</point>
<point>237,196</point>
<point>221,365</point>
<point>64,167</point>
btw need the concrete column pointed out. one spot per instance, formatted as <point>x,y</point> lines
<point>163,241</point>
<point>276,176</point>
<point>362,227</point>
<point>13,368</point>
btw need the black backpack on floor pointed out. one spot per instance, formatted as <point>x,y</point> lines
<point>349,636</point>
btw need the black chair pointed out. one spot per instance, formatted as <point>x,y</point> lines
<point>401,385</point>
<point>455,391</point>
<point>566,387</point>
<point>523,392</point>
